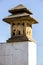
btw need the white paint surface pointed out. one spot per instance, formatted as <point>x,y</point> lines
<point>32,53</point>
<point>19,53</point>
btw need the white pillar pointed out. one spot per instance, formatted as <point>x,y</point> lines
<point>32,53</point>
<point>18,53</point>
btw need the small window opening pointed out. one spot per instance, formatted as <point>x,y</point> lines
<point>18,32</point>
<point>13,34</point>
<point>23,24</point>
<point>18,24</point>
<point>14,30</point>
<point>23,31</point>
<point>13,24</point>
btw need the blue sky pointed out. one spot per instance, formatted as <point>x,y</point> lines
<point>36,6</point>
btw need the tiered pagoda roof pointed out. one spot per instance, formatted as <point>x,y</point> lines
<point>20,12</point>
<point>20,9</point>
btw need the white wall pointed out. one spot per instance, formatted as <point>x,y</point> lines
<point>21,53</point>
<point>32,53</point>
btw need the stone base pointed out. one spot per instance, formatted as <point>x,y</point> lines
<point>14,54</point>
<point>17,39</point>
<point>18,53</point>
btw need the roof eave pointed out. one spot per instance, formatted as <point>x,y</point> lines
<point>25,10</point>
<point>9,20</point>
